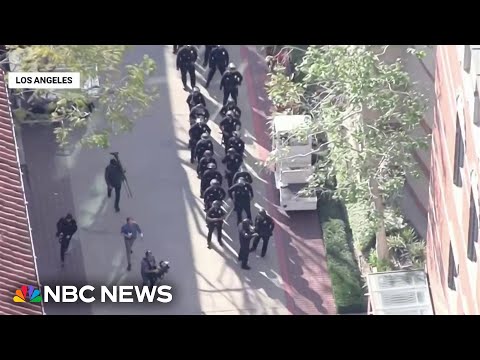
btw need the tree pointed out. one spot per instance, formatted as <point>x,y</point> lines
<point>120,97</point>
<point>368,110</point>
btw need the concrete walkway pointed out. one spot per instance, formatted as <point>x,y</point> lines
<point>291,279</point>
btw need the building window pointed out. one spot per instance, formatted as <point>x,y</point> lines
<point>472,230</point>
<point>459,156</point>
<point>467,58</point>
<point>452,269</point>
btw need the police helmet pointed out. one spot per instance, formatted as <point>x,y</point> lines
<point>231,66</point>
<point>214,182</point>
<point>207,153</point>
<point>246,222</point>
<point>229,113</point>
<point>231,151</point>
<point>211,166</point>
<point>217,203</point>
<point>241,180</point>
<point>262,212</point>
<point>236,134</point>
<point>199,120</point>
<point>148,253</point>
<point>205,135</point>
<point>196,90</point>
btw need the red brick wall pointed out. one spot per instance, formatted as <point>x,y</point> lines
<point>449,204</point>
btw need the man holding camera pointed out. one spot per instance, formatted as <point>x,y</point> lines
<point>130,230</point>
<point>66,227</point>
<point>114,177</point>
<point>149,269</point>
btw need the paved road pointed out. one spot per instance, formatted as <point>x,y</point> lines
<point>291,279</point>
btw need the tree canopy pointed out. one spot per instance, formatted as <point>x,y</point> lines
<point>116,91</point>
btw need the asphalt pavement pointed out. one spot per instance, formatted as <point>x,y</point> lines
<point>166,204</point>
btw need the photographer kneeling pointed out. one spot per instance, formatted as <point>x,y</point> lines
<point>149,269</point>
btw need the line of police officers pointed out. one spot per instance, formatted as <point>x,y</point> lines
<point>201,151</point>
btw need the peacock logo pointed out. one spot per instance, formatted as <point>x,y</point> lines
<point>33,295</point>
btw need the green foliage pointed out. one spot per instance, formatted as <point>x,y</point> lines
<point>343,269</point>
<point>363,226</point>
<point>380,265</point>
<point>121,98</point>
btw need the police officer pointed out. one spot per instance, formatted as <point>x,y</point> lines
<point>176,47</point>
<point>186,58</point>
<point>206,54</point>
<point>218,60</point>
<point>114,177</point>
<point>66,227</point>
<point>237,143</point>
<point>204,144</point>
<point>246,233</point>
<point>208,175</point>
<point>231,105</point>
<point>233,162</point>
<point>242,173</point>
<point>199,111</point>
<point>214,217</point>
<point>242,194</point>
<point>195,98</point>
<point>195,133</point>
<point>204,161</point>
<point>228,125</point>
<point>149,269</point>
<point>213,192</point>
<point>230,82</point>
<point>264,226</point>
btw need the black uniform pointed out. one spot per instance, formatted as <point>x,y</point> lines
<point>65,231</point>
<point>242,194</point>
<point>231,80</point>
<point>114,177</point>
<point>207,176</point>
<point>219,59</point>
<point>231,107</point>
<point>237,143</point>
<point>206,55</point>
<point>244,236</point>
<point>186,58</point>
<point>213,193</point>
<point>214,213</point>
<point>232,166</point>
<point>195,99</point>
<point>228,126</point>
<point>203,163</point>
<point>176,47</point>
<point>199,111</point>
<point>264,228</point>
<point>195,133</point>
<point>202,146</point>
<point>242,174</point>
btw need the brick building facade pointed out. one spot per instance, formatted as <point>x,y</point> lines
<point>452,233</point>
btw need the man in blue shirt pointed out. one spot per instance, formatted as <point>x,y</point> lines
<point>130,231</point>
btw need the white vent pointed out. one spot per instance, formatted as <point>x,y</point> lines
<point>399,293</point>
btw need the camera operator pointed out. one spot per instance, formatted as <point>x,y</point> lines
<point>66,227</point>
<point>149,269</point>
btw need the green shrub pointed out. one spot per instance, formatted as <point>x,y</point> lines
<point>343,268</point>
<point>363,229</point>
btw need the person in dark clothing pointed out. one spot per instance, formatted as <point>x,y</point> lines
<point>214,217</point>
<point>186,58</point>
<point>204,161</point>
<point>199,111</point>
<point>195,133</point>
<point>130,231</point>
<point>66,227</point>
<point>230,82</point>
<point>264,226</point>
<point>232,106</point>
<point>208,175</point>
<point>218,60</point>
<point>195,98</point>
<point>237,143</point>
<point>242,195</point>
<point>149,270</point>
<point>246,234</point>
<point>176,48</point>
<point>233,161</point>
<point>228,125</point>
<point>204,144</point>
<point>242,173</point>
<point>114,177</point>
<point>213,192</point>
<point>207,53</point>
